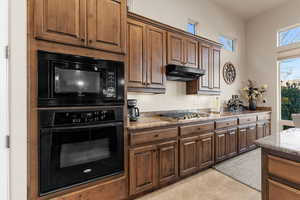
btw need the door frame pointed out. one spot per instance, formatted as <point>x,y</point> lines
<point>4,147</point>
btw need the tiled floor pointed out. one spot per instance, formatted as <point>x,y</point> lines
<point>207,185</point>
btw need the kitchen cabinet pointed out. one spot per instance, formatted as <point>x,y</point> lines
<point>247,134</point>
<point>231,142</point>
<point>260,130</point>
<point>221,145</point>
<point>210,61</point>
<point>226,143</point>
<point>251,136</point>
<point>61,21</point>
<point>242,139</point>
<point>196,153</point>
<point>98,24</point>
<point>143,169</point>
<point>267,129</point>
<point>182,50</point>
<point>153,165</point>
<point>136,33</point>
<point>167,162</point>
<point>188,155</point>
<point>106,24</point>
<point>146,57</point>
<point>206,150</point>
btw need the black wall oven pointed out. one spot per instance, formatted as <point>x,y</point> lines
<point>68,80</point>
<point>78,146</point>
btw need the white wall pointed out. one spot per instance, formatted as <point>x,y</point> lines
<point>213,20</point>
<point>18,101</point>
<point>261,43</point>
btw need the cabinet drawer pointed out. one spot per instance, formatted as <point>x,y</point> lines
<point>264,117</point>
<point>199,128</point>
<point>114,190</point>
<point>285,169</point>
<point>278,191</point>
<point>152,136</point>
<point>226,123</point>
<point>247,120</point>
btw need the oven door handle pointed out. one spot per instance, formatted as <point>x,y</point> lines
<point>116,124</point>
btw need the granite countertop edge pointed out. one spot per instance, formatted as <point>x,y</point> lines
<point>287,141</point>
<point>155,121</point>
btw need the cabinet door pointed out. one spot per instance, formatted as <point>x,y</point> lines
<point>188,156</point>
<point>175,49</point>
<point>143,169</point>
<point>136,54</point>
<point>216,64</point>
<point>206,150</point>
<point>204,64</point>
<point>106,25</point>
<point>167,162</point>
<point>260,129</point>
<point>251,137</point>
<point>191,53</point>
<point>231,142</point>
<point>242,140</point>
<point>221,145</point>
<point>60,21</point>
<point>267,131</point>
<point>156,57</point>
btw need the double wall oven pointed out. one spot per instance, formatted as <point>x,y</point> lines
<point>79,145</point>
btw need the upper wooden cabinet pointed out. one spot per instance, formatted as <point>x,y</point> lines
<point>98,24</point>
<point>146,57</point>
<point>61,21</point>
<point>182,50</point>
<point>210,61</point>
<point>106,24</point>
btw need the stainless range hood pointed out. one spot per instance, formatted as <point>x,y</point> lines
<point>182,73</point>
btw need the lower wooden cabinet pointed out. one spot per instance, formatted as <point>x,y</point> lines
<point>221,145</point>
<point>251,136</point>
<point>188,155</point>
<point>152,165</point>
<point>267,130</point>
<point>278,191</point>
<point>143,169</point>
<point>242,139</point>
<point>196,153</point>
<point>226,143</point>
<point>167,162</point>
<point>260,130</point>
<point>206,149</point>
<point>246,137</point>
<point>263,129</point>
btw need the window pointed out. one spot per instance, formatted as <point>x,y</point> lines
<point>289,36</point>
<point>192,26</point>
<point>130,5</point>
<point>290,88</point>
<point>228,43</point>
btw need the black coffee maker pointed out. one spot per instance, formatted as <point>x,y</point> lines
<point>133,111</point>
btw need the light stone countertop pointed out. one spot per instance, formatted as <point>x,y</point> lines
<point>155,121</point>
<point>287,141</point>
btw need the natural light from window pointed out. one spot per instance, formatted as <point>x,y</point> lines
<point>228,43</point>
<point>290,87</point>
<point>289,36</point>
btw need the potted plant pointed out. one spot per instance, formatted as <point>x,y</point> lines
<point>254,94</point>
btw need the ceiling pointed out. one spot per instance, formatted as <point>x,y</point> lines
<point>249,8</point>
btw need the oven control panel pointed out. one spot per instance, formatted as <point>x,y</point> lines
<point>84,117</point>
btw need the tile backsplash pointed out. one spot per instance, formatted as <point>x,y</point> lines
<point>174,99</point>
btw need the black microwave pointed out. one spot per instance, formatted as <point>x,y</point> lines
<point>69,80</point>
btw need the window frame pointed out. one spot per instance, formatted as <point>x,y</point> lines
<point>196,23</point>
<point>234,42</point>
<point>289,46</point>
